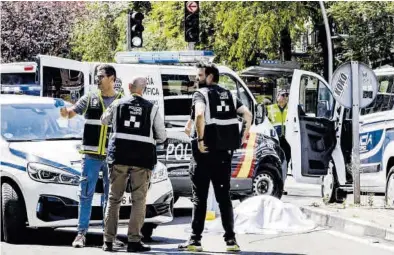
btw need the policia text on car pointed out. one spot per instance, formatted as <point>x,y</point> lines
<point>217,135</point>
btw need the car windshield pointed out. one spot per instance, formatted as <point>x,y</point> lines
<point>29,122</point>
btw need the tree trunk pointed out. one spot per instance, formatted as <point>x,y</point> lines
<point>285,45</point>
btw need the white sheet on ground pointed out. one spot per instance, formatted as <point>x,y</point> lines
<point>265,215</point>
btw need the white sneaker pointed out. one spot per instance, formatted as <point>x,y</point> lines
<point>79,241</point>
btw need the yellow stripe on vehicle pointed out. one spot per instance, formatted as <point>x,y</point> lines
<point>249,157</point>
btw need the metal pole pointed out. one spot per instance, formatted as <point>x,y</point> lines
<point>128,34</point>
<point>356,132</point>
<point>190,46</point>
<point>328,37</point>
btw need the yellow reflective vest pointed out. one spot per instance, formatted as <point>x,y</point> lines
<point>277,118</point>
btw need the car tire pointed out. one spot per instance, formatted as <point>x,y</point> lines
<point>389,194</point>
<point>147,231</point>
<point>14,216</point>
<point>267,182</point>
<point>330,191</point>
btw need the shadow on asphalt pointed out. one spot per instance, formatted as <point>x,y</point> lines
<point>174,251</point>
<point>64,237</point>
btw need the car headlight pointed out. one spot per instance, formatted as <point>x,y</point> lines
<point>48,174</point>
<point>159,173</point>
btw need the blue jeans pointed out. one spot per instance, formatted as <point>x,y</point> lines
<point>91,167</point>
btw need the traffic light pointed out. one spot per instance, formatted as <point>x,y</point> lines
<point>192,30</point>
<point>135,29</point>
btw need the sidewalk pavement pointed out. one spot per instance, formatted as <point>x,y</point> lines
<point>371,218</point>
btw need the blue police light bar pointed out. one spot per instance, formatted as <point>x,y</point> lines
<point>163,57</point>
<point>279,64</point>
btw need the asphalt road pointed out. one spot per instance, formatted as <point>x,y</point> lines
<point>167,237</point>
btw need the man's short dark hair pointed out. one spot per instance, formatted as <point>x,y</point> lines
<point>210,69</point>
<point>108,69</point>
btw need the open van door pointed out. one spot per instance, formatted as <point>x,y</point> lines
<point>310,128</point>
<point>62,78</point>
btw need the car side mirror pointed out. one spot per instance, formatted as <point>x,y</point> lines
<point>260,114</point>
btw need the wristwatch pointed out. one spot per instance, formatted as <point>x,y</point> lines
<point>200,139</point>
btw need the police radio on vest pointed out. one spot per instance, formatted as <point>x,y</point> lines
<point>163,57</point>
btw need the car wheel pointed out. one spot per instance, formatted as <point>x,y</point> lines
<point>14,214</point>
<point>147,231</point>
<point>266,182</point>
<point>330,190</point>
<point>390,188</point>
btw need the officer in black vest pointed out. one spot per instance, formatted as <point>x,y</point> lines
<point>94,145</point>
<point>217,136</point>
<point>137,126</point>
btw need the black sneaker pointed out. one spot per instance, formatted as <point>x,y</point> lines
<point>232,246</point>
<point>191,245</point>
<point>107,246</point>
<point>137,247</point>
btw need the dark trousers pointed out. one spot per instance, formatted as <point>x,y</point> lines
<point>285,147</point>
<point>215,167</point>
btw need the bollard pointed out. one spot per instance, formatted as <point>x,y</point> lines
<point>212,205</point>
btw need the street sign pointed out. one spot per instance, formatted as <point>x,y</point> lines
<point>192,6</point>
<point>354,85</point>
<point>342,81</point>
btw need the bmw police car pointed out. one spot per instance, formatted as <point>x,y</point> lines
<point>40,171</point>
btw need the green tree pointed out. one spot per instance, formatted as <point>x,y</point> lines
<point>370,30</point>
<point>98,35</point>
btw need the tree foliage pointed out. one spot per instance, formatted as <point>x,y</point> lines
<point>31,28</point>
<point>370,30</point>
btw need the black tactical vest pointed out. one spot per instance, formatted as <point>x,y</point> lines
<point>221,123</point>
<point>95,135</point>
<point>132,142</point>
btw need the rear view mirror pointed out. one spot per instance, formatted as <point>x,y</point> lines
<point>260,114</point>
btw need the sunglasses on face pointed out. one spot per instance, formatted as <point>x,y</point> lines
<point>284,95</point>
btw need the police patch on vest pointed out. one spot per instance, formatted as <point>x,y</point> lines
<point>132,122</point>
<point>224,95</point>
<point>223,107</point>
<point>94,102</point>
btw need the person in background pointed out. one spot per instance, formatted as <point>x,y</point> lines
<point>277,114</point>
<point>94,146</point>
<point>137,126</point>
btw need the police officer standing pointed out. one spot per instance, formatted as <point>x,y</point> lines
<point>137,126</point>
<point>277,114</point>
<point>217,136</point>
<point>94,145</point>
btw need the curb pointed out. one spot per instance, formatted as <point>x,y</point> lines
<point>349,226</point>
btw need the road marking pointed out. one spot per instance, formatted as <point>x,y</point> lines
<point>361,240</point>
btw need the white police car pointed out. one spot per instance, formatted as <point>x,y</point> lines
<point>40,168</point>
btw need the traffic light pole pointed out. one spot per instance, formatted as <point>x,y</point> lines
<point>128,33</point>
<point>190,45</point>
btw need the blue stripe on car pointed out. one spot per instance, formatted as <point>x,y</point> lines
<point>22,168</point>
<point>33,158</point>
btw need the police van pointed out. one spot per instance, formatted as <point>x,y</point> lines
<point>258,168</point>
<point>319,132</point>
<point>19,78</point>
